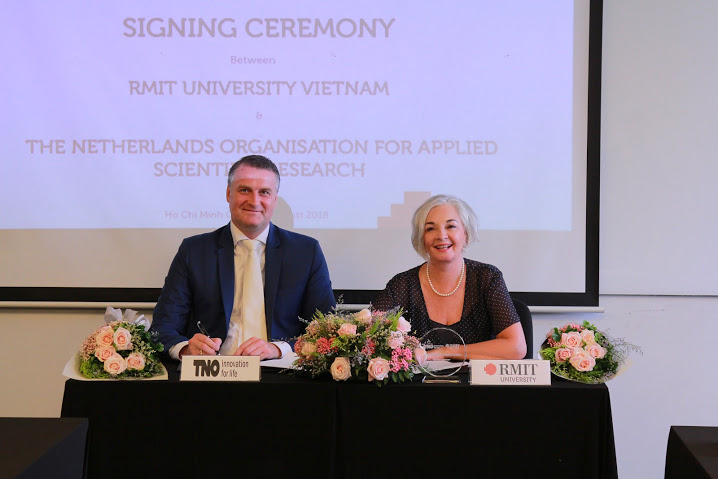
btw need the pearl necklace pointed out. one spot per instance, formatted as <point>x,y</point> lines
<point>463,270</point>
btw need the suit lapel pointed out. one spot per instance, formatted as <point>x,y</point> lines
<point>272,267</point>
<point>225,259</point>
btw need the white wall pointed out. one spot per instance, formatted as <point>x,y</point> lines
<point>658,237</point>
<point>34,347</point>
<point>672,383</point>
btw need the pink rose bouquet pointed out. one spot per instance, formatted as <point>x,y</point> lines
<point>367,345</point>
<point>123,348</point>
<point>582,353</point>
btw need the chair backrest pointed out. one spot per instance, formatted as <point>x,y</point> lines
<point>528,326</point>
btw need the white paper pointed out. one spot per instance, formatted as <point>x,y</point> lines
<point>283,363</point>
<point>442,365</point>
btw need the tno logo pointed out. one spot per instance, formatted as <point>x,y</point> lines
<point>490,369</point>
<point>209,367</point>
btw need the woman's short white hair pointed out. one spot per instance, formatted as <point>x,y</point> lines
<point>418,221</point>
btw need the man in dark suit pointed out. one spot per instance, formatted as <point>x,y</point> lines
<point>207,283</point>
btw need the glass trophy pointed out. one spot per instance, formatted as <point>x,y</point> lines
<point>450,346</point>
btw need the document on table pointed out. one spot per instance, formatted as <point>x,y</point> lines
<point>441,365</point>
<point>283,363</point>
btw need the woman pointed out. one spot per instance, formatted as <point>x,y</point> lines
<point>449,291</point>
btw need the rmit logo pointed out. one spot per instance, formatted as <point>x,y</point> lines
<point>206,367</point>
<point>520,369</point>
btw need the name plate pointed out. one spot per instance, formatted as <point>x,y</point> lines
<point>220,368</point>
<point>507,372</point>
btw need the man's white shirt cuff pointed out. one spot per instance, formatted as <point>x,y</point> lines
<point>283,347</point>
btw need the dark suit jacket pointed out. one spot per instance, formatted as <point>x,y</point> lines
<point>200,286</point>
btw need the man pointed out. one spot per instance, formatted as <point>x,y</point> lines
<point>215,278</point>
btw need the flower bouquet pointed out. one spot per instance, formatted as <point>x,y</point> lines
<point>367,345</point>
<point>121,349</point>
<point>584,354</point>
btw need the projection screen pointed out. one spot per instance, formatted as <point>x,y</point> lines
<point>121,119</point>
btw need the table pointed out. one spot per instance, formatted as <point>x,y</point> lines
<point>42,447</point>
<point>319,428</point>
<point>198,429</point>
<point>692,452</point>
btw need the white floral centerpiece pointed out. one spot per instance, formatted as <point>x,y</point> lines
<point>121,349</point>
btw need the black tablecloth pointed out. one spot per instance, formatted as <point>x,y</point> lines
<point>318,428</point>
<point>42,447</point>
<point>692,452</point>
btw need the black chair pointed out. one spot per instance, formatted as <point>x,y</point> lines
<point>528,326</point>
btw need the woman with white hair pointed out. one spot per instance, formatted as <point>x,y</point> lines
<point>454,292</point>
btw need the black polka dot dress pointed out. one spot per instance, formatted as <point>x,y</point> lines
<point>488,308</point>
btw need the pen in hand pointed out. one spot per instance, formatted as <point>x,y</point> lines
<point>204,331</point>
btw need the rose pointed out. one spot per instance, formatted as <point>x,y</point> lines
<point>583,362</point>
<point>588,336</point>
<point>364,316</point>
<point>103,353</point>
<point>378,369</point>
<point>420,356</point>
<point>579,353</point>
<point>595,350</point>
<point>104,336</point>
<point>563,354</point>
<point>308,349</point>
<point>396,340</point>
<point>404,326</point>
<point>571,340</point>
<point>136,361</point>
<point>347,329</point>
<point>341,369</point>
<point>115,364</point>
<point>123,339</point>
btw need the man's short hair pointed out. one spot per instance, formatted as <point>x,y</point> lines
<point>255,161</point>
<point>418,221</point>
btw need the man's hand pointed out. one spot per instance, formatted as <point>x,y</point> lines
<point>200,345</point>
<point>258,347</point>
